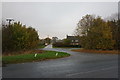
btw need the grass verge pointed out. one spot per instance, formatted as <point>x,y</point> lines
<point>96,51</point>
<point>31,57</point>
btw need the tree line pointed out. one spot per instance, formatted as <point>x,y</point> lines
<point>16,37</point>
<point>96,33</point>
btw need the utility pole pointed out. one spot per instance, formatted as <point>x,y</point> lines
<point>119,10</point>
<point>9,20</point>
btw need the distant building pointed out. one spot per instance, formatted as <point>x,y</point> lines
<point>74,40</point>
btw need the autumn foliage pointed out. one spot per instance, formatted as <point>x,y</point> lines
<point>16,37</point>
<point>96,33</point>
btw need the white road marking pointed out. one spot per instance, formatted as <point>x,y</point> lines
<point>90,71</point>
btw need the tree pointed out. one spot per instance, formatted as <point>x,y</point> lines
<point>17,37</point>
<point>47,40</point>
<point>84,24</point>
<point>96,33</point>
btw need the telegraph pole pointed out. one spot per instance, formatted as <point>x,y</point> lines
<point>119,10</point>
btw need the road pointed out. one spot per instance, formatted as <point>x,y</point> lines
<point>78,65</point>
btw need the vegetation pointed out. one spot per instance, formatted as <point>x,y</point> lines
<point>96,51</point>
<point>16,37</point>
<point>20,58</point>
<point>41,46</point>
<point>47,41</point>
<point>64,44</point>
<point>95,33</point>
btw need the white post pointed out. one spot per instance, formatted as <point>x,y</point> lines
<point>35,55</point>
<point>56,54</point>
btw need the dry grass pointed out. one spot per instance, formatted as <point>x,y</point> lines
<point>97,51</point>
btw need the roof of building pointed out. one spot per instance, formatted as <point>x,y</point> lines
<point>72,37</point>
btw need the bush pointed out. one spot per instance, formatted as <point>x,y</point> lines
<point>16,37</point>
<point>62,44</point>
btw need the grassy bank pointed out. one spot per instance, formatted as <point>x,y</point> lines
<point>20,58</point>
<point>96,51</point>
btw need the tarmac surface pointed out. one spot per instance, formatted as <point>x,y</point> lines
<point>78,65</point>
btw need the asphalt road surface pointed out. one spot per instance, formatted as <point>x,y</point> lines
<point>78,65</point>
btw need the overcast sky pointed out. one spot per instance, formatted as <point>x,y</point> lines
<point>55,19</point>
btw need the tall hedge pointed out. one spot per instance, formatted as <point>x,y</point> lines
<point>96,33</point>
<point>17,37</point>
